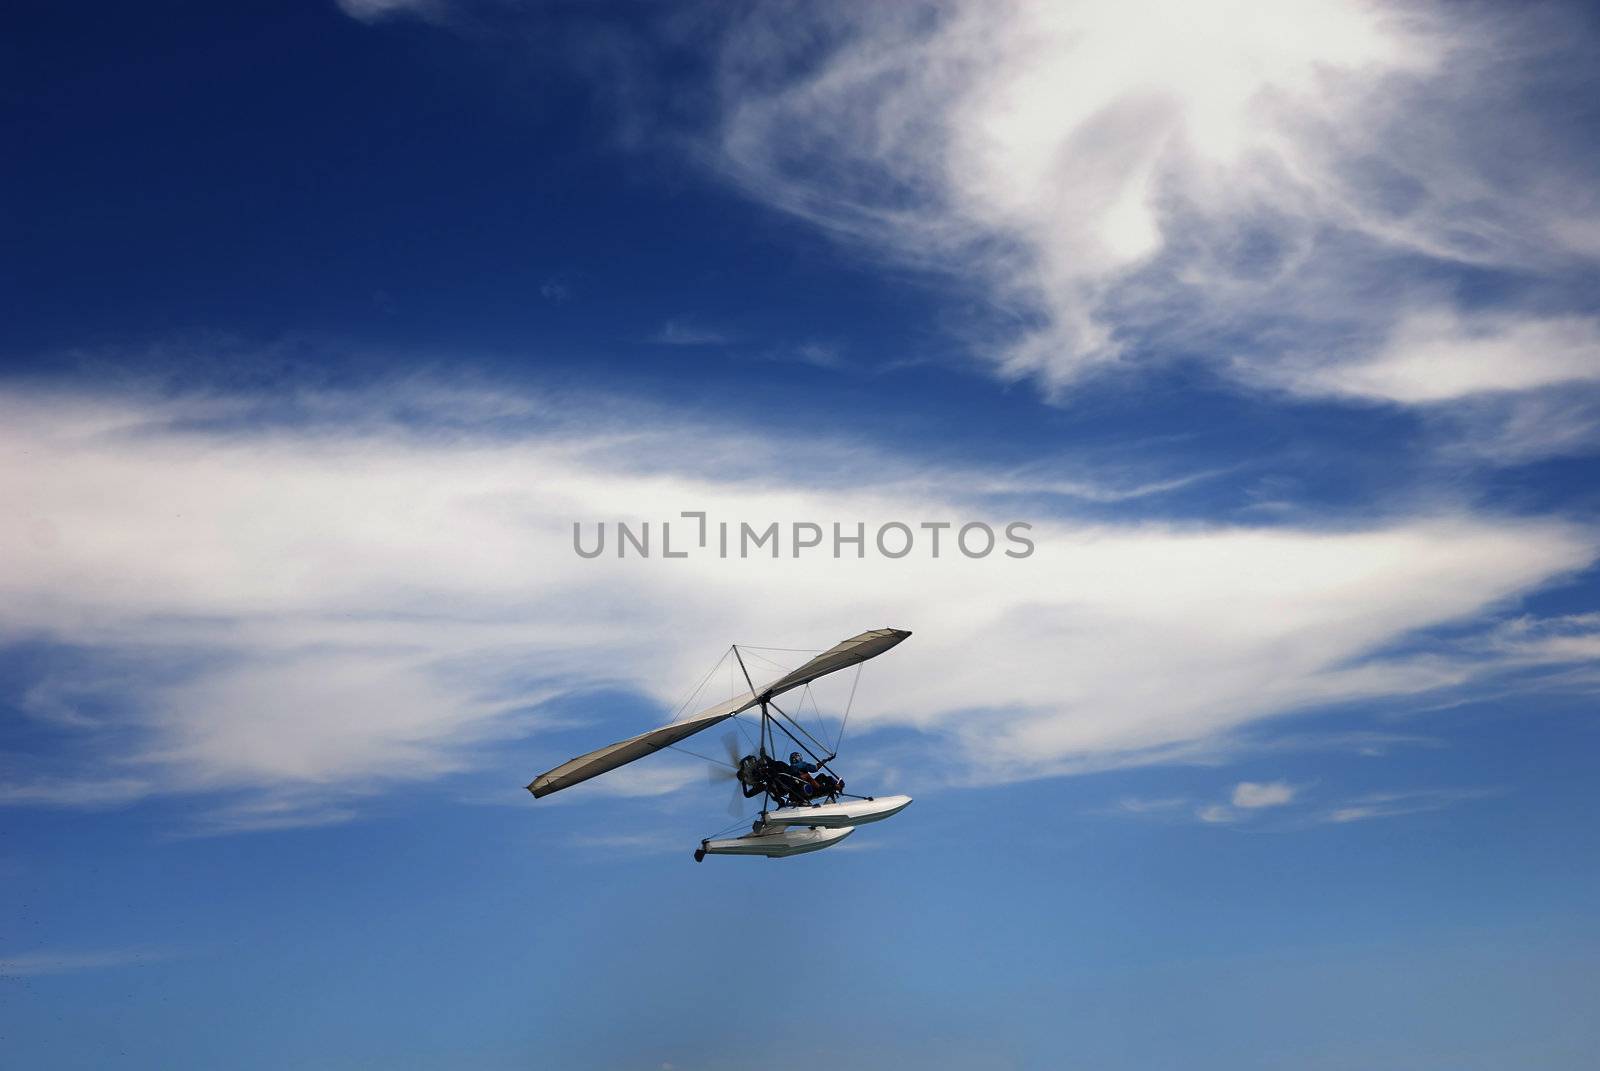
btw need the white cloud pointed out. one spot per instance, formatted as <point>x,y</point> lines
<point>1247,796</point>
<point>1253,795</point>
<point>1439,356</point>
<point>319,609</point>
<point>1291,191</point>
<point>1259,183</point>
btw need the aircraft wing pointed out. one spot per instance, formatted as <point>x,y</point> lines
<point>841,656</point>
<point>610,757</point>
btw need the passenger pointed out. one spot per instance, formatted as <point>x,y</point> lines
<point>816,781</point>
<point>804,770</point>
<point>800,768</point>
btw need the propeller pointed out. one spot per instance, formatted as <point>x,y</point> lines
<point>717,773</point>
<point>732,747</point>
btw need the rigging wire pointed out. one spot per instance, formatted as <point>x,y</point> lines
<point>732,690</point>
<point>804,731</point>
<point>847,707</point>
<point>822,720</point>
<point>771,662</point>
<point>707,758</point>
<point>744,732</point>
<point>678,712</point>
<point>740,824</point>
<point>795,650</point>
<point>800,707</point>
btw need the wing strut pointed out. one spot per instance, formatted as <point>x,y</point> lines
<point>820,760</point>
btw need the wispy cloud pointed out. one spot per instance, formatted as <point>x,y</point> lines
<point>1247,798</point>
<point>853,845</point>
<point>1439,355</point>
<point>1514,428</point>
<point>1039,481</point>
<point>1278,187</point>
<point>1302,194</point>
<point>320,608</point>
<point>378,10</point>
<point>630,843</point>
<point>1526,640</point>
<point>684,331</point>
<point>1395,804</point>
<point>291,807</point>
<point>816,354</point>
<point>85,793</point>
<point>34,964</point>
<point>1145,805</point>
<point>1368,742</point>
<point>1254,795</point>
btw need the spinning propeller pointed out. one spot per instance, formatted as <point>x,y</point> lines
<point>732,747</point>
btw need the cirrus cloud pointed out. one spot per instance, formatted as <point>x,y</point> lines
<point>1297,192</point>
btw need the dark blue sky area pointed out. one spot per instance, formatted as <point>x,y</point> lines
<point>287,190</point>
<point>298,172</point>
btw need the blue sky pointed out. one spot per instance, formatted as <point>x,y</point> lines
<point>326,322</point>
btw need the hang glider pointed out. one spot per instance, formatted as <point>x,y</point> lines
<point>842,655</point>
<point>801,822</point>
